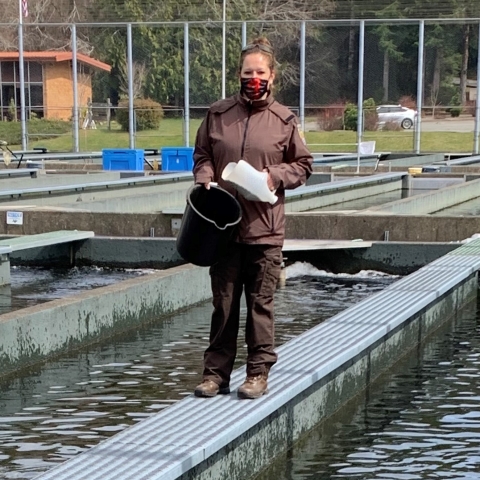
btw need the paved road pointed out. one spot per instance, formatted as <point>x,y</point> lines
<point>463,124</point>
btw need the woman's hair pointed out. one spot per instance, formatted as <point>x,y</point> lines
<point>258,45</point>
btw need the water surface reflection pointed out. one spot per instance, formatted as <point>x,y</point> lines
<point>420,420</point>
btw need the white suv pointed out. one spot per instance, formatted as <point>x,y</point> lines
<point>403,116</point>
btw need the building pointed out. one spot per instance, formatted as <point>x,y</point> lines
<point>48,83</point>
<point>470,90</point>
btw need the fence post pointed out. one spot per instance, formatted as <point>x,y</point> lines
<point>361,63</point>
<point>109,114</point>
<point>418,129</point>
<point>21,71</point>
<point>224,47</point>
<point>186,73</point>
<point>131,119</point>
<point>244,34</point>
<point>76,145</point>
<point>302,75</point>
<point>477,101</point>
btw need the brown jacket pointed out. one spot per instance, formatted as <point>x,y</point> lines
<point>265,134</point>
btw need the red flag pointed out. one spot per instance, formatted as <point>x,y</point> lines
<point>25,8</point>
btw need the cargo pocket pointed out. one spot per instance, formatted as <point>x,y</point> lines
<point>271,272</point>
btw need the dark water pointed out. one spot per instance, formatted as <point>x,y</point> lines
<point>32,286</point>
<point>63,407</point>
<point>420,420</point>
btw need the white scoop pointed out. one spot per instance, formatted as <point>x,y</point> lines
<point>249,182</point>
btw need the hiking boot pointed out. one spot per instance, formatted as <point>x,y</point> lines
<point>253,387</point>
<point>208,388</point>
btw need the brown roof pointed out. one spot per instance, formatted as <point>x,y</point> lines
<point>55,56</point>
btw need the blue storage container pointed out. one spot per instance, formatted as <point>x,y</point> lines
<point>122,159</point>
<point>177,158</point>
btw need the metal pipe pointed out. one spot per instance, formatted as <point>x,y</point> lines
<point>224,48</point>
<point>244,34</point>
<point>421,42</point>
<point>21,71</point>
<point>361,64</point>
<point>477,103</point>
<point>131,118</point>
<point>76,144</point>
<point>186,73</point>
<point>302,75</point>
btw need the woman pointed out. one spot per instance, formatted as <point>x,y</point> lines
<point>254,127</point>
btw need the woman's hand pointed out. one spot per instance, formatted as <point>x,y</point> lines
<point>269,180</point>
<point>206,185</point>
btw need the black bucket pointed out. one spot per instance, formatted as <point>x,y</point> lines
<point>208,223</point>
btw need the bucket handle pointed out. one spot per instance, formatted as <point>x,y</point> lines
<point>215,184</point>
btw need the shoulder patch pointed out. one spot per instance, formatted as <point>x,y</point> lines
<point>223,105</point>
<point>301,133</point>
<point>282,112</point>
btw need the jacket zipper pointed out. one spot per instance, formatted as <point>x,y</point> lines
<point>270,212</point>
<point>244,141</point>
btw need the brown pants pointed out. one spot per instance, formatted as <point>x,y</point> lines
<point>257,269</point>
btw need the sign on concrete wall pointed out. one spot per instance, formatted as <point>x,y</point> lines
<point>14,218</point>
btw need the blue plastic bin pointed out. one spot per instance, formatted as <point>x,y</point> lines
<point>177,158</point>
<point>122,159</point>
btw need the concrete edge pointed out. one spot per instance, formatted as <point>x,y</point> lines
<point>33,334</point>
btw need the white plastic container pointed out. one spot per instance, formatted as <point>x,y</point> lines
<point>249,182</point>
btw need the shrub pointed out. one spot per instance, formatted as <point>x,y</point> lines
<point>408,101</point>
<point>331,117</point>
<point>38,129</point>
<point>370,116</point>
<point>455,111</point>
<point>148,114</point>
<point>350,117</point>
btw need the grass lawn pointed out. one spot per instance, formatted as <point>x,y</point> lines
<point>401,141</point>
<point>170,133</point>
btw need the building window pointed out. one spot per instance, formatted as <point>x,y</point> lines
<point>10,89</point>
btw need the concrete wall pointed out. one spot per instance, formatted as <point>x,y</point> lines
<point>389,257</point>
<point>35,333</point>
<point>117,252</point>
<point>136,197</point>
<point>430,202</point>
<point>297,203</point>
<point>401,228</point>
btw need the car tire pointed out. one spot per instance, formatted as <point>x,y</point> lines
<point>407,123</point>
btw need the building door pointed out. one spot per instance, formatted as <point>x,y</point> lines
<point>8,103</point>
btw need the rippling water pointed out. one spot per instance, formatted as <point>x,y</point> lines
<point>421,420</point>
<point>63,407</point>
<point>32,286</point>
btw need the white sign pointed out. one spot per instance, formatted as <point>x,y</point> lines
<point>14,218</point>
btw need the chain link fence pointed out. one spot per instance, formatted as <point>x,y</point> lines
<point>181,68</point>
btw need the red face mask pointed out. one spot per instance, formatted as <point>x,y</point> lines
<point>253,88</point>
